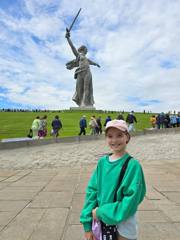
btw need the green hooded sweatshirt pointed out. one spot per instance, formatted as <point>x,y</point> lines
<point>101,189</point>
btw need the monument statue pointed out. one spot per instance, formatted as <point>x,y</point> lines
<point>83,95</point>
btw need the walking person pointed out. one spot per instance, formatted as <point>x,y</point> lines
<point>153,121</point>
<point>120,117</point>
<point>56,126</point>
<point>35,127</point>
<point>158,121</point>
<point>161,118</point>
<point>83,125</point>
<point>93,125</point>
<point>131,120</point>
<point>107,120</point>
<point>99,128</point>
<point>43,127</point>
<point>173,120</point>
<point>115,189</point>
<point>178,120</point>
<point>166,121</point>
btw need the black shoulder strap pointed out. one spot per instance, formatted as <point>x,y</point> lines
<point>123,170</point>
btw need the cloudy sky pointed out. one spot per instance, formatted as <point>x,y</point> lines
<point>137,44</point>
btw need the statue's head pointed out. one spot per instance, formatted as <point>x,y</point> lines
<point>82,49</point>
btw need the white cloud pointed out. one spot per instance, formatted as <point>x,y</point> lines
<point>129,39</point>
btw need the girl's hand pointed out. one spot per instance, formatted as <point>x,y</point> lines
<point>89,236</point>
<point>94,213</point>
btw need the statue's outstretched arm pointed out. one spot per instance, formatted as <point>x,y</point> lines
<point>71,44</point>
<point>93,63</point>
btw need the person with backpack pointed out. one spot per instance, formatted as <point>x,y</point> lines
<point>99,128</point>
<point>93,125</point>
<point>107,120</point>
<point>115,189</point>
<point>56,126</point>
<point>43,127</point>
<point>82,125</point>
<point>131,120</point>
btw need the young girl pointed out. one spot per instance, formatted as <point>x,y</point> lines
<point>99,201</point>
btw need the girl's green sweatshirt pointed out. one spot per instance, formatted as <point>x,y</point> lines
<point>101,189</point>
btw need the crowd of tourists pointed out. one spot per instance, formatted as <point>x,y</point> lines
<point>163,120</point>
<point>38,129</point>
<point>96,126</point>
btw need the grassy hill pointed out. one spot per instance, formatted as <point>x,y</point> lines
<point>17,124</point>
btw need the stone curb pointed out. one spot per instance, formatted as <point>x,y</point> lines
<point>77,139</point>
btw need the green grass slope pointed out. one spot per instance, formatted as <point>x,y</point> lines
<point>17,124</point>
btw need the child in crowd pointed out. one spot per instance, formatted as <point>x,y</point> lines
<point>102,186</point>
<point>153,121</point>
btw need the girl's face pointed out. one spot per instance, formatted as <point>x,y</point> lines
<point>116,140</point>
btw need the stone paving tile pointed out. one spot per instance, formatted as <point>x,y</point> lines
<point>152,216</point>
<point>74,232</point>
<point>29,183</point>
<point>153,193</point>
<point>14,178</point>
<point>172,211</point>
<point>88,169</point>
<point>147,205</point>
<point>12,188</point>
<point>155,181</point>
<point>55,199</point>
<point>22,227</point>
<point>158,231</point>
<point>12,205</point>
<point>2,179</point>
<point>40,178</point>
<point>14,195</point>
<point>173,196</point>
<point>23,172</point>
<point>172,186</point>
<point>162,203</point>
<point>81,186</point>
<point>61,186</point>
<point>4,173</point>
<point>74,218</point>
<point>78,202</point>
<point>6,217</point>
<point>3,185</point>
<point>44,172</point>
<point>51,225</point>
<point>65,177</point>
<point>52,200</point>
<point>177,225</point>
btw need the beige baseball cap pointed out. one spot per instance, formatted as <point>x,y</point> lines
<point>119,124</point>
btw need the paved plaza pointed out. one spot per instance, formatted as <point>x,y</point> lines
<point>41,200</point>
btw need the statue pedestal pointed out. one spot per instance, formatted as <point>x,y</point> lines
<point>86,108</point>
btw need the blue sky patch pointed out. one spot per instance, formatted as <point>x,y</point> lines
<point>167,64</point>
<point>142,102</point>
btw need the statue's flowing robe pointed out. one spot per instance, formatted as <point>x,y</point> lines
<point>83,95</point>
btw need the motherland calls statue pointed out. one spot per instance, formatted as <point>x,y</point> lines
<point>83,95</point>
